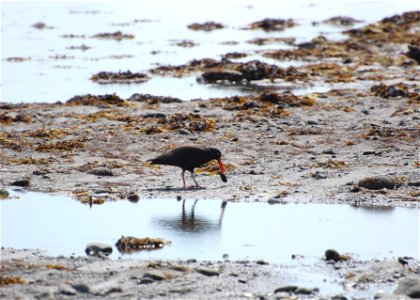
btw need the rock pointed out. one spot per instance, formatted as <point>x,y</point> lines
<point>287,288</point>
<point>133,197</point>
<point>21,182</point>
<point>306,291</point>
<point>261,262</point>
<point>184,131</point>
<point>155,275</point>
<point>331,254</point>
<point>409,286</point>
<point>145,281</point>
<point>98,249</point>
<point>4,194</point>
<point>378,182</point>
<point>339,297</point>
<point>215,76</point>
<point>319,175</point>
<point>106,288</point>
<point>207,271</point>
<point>81,288</point>
<point>161,116</point>
<point>414,53</point>
<point>101,171</point>
<point>68,290</point>
<point>328,151</point>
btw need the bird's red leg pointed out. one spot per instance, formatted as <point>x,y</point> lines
<point>195,181</point>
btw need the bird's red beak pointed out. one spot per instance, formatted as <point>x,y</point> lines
<point>221,166</point>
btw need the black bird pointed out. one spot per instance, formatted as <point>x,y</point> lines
<point>188,158</point>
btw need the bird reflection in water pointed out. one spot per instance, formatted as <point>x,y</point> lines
<point>189,222</point>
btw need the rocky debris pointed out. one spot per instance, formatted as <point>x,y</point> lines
<point>118,35</point>
<point>151,99</point>
<point>293,289</point>
<point>391,91</point>
<point>119,77</point>
<point>98,249</point>
<point>94,100</point>
<point>342,21</point>
<point>206,26</point>
<point>269,24</point>
<point>409,286</point>
<point>378,182</point>
<point>333,255</point>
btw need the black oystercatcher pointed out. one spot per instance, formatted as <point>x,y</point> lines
<point>188,158</point>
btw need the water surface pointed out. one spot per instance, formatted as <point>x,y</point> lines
<point>206,231</point>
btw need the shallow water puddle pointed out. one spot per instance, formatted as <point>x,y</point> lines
<point>205,230</point>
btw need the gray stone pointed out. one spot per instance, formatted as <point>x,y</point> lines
<point>409,286</point>
<point>287,288</point>
<point>320,175</point>
<point>66,289</point>
<point>106,288</point>
<point>378,182</point>
<point>155,275</point>
<point>81,288</point>
<point>184,131</point>
<point>207,271</point>
<point>101,171</point>
<point>306,291</point>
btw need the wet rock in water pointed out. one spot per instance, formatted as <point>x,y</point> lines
<point>378,182</point>
<point>132,244</point>
<point>21,182</point>
<point>206,26</point>
<point>409,286</point>
<point>226,75</point>
<point>4,194</point>
<point>207,271</point>
<point>98,249</point>
<point>101,171</point>
<point>342,21</point>
<point>133,197</point>
<point>332,254</point>
<point>269,24</point>
<point>119,77</point>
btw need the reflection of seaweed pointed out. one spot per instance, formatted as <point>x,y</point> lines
<point>192,223</point>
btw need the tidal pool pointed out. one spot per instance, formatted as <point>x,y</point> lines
<point>206,230</point>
